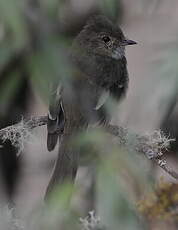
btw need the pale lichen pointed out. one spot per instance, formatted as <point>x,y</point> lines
<point>91,222</point>
<point>8,220</point>
<point>155,144</point>
<point>18,135</point>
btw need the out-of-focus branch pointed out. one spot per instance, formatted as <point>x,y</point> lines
<point>152,145</point>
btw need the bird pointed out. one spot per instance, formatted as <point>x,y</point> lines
<point>99,65</point>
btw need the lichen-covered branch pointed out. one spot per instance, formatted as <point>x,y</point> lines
<point>152,145</point>
<point>19,133</point>
<point>17,130</point>
<point>163,164</point>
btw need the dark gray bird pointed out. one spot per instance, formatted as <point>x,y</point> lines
<point>100,72</point>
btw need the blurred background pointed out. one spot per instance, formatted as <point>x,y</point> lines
<point>34,37</point>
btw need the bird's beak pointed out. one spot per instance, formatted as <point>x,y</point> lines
<point>127,42</point>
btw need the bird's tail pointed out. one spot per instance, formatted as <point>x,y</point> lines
<point>66,165</point>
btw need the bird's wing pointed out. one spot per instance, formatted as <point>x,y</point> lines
<point>102,99</point>
<point>55,122</point>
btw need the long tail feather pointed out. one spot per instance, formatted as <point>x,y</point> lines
<point>66,165</point>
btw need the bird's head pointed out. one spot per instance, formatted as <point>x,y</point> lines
<point>101,37</point>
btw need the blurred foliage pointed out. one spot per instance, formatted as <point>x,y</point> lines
<point>118,180</point>
<point>111,8</point>
<point>33,33</point>
<point>32,28</point>
<point>7,90</point>
<point>13,21</point>
<point>162,203</point>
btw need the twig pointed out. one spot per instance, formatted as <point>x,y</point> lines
<point>163,164</point>
<point>152,145</point>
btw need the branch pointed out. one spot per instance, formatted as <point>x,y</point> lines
<point>19,133</point>
<point>152,145</point>
<point>17,129</point>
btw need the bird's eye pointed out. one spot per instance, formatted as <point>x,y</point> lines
<point>106,39</point>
